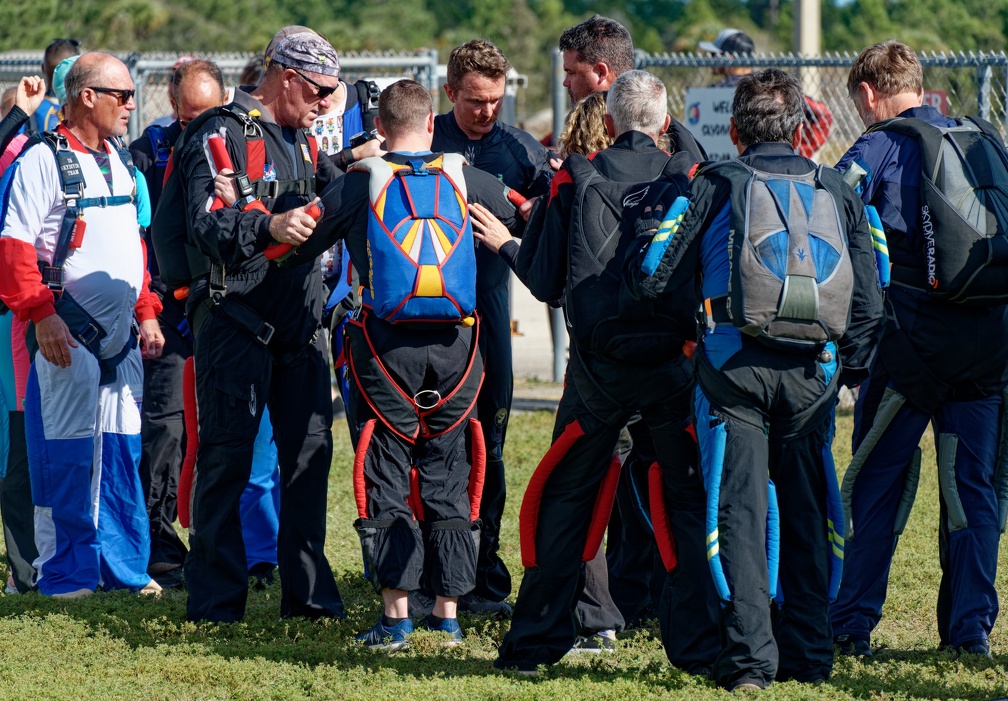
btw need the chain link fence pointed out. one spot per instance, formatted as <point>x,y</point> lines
<point>151,73</point>
<point>959,83</point>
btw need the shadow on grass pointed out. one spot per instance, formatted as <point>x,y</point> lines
<point>928,674</point>
<point>160,625</point>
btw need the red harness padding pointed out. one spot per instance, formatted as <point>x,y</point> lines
<point>360,495</point>
<point>659,519</point>
<point>192,441</point>
<point>603,509</point>
<point>414,500</point>
<point>528,516</point>
<point>477,472</point>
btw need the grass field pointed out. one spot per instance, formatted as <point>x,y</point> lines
<point>122,646</point>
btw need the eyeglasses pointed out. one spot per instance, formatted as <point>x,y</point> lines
<point>322,91</point>
<point>123,96</point>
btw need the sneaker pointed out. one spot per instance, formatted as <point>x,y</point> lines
<point>603,641</point>
<point>479,606</point>
<point>420,605</point>
<point>76,594</point>
<point>449,626</point>
<point>388,638</point>
<point>853,645</point>
<point>261,575</point>
<point>152,589</point>
<point>978,647</point>
<point>11,587</point>
<point>746,688</point>
<point>169,579</point>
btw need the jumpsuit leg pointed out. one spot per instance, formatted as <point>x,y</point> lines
<point>493,407</point>
<point>260,501</point>
<point>301,413</point>
<point>543,625</point>
<point>967,598</point>
<point>61,416</point>
<point>121,510</point>
<point>802,625</point>
<point>162,448</point>
<point>875,501</point>
<point>18,512</point>
<point>232,377</point>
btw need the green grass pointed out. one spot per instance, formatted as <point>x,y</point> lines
<point>121,646</point>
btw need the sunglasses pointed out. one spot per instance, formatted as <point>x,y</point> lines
<point>322,92</point>
<point>123,96</point>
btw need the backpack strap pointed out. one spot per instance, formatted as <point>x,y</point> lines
<point>72,188</point>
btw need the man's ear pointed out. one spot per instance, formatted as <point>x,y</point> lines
<point>604,75</point>
<point>450,92</point>
<point>610,127</point>
<point>796,139</point>
<point>734,135</point>
<point>666,125</point>
<point>379,127</point>
<point>430,123</point>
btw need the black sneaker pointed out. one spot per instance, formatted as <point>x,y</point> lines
<point>478,606</point>
<point>170,579</point>
<point>853,645</point>
<point>979,647</point>
<point>261,575</point>
<point>603,641</point>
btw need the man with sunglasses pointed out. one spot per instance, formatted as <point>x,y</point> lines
<point>73,264</point>
<point>258,335</point>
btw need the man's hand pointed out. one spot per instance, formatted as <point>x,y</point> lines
<point>151,339</point>
<point>371,147</point>
<point>526,207</point>
<point>54,340</point>
<point>555,163</point>
<point>294,226</point>
<point>30,93</point>
<point>224,187</point>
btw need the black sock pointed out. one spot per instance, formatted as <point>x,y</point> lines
<point>434,621</point>
<point>391,622</point>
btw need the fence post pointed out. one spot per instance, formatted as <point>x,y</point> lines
<point>558,328</point>
<point>984,90</point>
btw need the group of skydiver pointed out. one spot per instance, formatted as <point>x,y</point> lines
<point>714,310</point>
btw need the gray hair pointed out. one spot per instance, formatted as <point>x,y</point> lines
<point>768,107</point>
<point>83,74</point>
<point>637,101</point>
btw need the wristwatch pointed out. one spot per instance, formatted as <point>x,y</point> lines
<point>244,202</point>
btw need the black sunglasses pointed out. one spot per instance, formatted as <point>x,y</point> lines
<point>123,96</point>
<point>322,91</point>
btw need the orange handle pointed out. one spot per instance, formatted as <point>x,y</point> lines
<point>221,159</point>
<point>282,249</point>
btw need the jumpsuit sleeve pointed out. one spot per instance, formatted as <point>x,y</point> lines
<point>30,192</point>
<point>345,203</point>
<point>857,346</point>
<point>148,304</point>
<point>10,124</point>
<point>542,258</point>
<point>225,235</point>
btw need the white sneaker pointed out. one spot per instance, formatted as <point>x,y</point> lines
<point>152,589</point>
<point>76,594</point>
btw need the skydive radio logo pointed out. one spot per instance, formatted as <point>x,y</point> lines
<point>927,227</point>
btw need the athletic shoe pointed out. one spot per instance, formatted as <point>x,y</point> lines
<point>479,606</point>
<point>746,688</point>
<point>448,626</point>
<point>169,579</point>
<point>420,604</point>
<point>11,587</point>
<point>261,575</point>
<point>978,647</point>
<point>853,645</point>
<point>76,594</point>
<point>153,589</point>
<point>387,638</point>
<point>603,641</point>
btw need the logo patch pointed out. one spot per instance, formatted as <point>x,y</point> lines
<point>635,198</point>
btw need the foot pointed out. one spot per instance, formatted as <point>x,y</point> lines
<point>261,575</point>
<point>479,606</point>
<point>449,626</point>
<point>387,638</point>
<point>420,605</point>
<point>746,688</point>
<point>978,647</point>
<point>76,594</point>
<point>603,641</point>
<point>153,589</point>
<point>853,645</point>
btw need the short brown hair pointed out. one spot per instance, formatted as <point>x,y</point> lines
<point>890,67</point>
<point>477,56</point>
<point>404,106</point>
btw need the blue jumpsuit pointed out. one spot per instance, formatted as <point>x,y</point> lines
<point>950,364</point>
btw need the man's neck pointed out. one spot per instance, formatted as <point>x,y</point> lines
<point>896,105</point>
<point>86,134</point>
<point>409,144</point>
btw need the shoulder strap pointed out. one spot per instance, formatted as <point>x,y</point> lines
<point>927,135</point>
<point>162,150</point>
<point>581,169</point>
